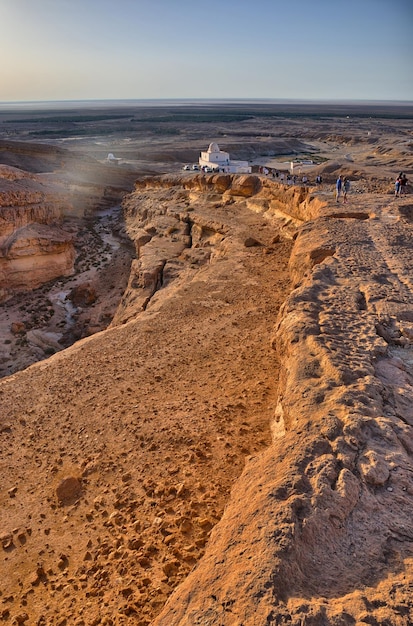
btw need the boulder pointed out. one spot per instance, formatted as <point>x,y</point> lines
<point>83,295</point>
<point>17,328</point>
<point>46,341</point>
<point>69,490</point>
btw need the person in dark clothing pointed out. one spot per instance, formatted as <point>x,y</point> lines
<point>339,187</point>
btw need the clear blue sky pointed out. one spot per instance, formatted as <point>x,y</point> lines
<point>306,49</point>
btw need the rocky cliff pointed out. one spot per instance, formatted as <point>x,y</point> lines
<point>238,441</point>
<point>318,529</point>
<point>34,245</point>
<point>41,209</point>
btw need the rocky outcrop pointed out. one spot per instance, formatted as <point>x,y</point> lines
<point>33,255</point>
<point>153,417</point>
<point>34,247</point>
<point>25,199</point>
<point>293,204</point>
<point>345,396</point>
<point>170,230</point>
<point>325,511</point>
<point>40,215</point>
<point>41,209</point>
<point>173,398</point>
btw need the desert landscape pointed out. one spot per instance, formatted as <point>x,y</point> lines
<point>206,393</point>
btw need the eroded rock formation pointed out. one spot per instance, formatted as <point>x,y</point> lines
<point>41,213</point>
<point>34,245</point>
<point>318,529</point>
<point>170,409</point>
<point>177,383</point>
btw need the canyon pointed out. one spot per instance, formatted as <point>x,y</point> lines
<point>228,440</point>
<point>60,237</point>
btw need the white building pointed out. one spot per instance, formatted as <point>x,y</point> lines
<point>112,159</point>
<point>298,165</point>
<point>219,160</point>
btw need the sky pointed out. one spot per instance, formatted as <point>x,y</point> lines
<point>225,49</point>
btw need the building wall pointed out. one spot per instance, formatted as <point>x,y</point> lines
<point>221,159</point>
<point>214,157</point>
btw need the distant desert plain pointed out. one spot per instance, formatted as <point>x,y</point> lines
<point>206,379</point>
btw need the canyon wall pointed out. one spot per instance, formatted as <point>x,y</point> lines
<point>171,227</point>
<point>34,245</point>
<point>42,209</point>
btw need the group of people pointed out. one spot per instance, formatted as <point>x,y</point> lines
<point>342,182</point>
<point>287,179</point>
<point>400,184</point>
<point>342,188</point>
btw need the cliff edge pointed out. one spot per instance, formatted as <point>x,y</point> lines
<point>237,447</point>
<point>318,529</point>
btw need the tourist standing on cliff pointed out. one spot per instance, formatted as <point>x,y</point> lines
<point>403,183</point>
<point>346,188</point>
<point>339,187</point>
<point>397,186</point>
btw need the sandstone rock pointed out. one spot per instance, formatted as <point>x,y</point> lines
<point>186,525</point>
<point>6,540</point>
<point>33,255</point>
<point>69,490</point>
<point>250,242</point>
<point>21,536</point>
<point>63,562</point>
<point>135,543</point>
<point>246,186</point>
<point>37,576</point>
<point>47,341</point>
<point>141,238</point>
<point>35,248</point>
<point>205,524</point>
<point>83,295</point>
<point>374,468</point>
<point>18,328</point>
<point>170,568</point>
<point>221,182</point>
<point>407,331</point>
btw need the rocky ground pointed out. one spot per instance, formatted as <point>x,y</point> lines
<point>318,528</point>
<point>239,440</point>
<point>152,422</point>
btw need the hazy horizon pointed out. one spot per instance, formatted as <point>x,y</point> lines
<point>84,50</point>
<point>199,101</point>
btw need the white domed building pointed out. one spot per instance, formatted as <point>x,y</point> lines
<point>218,160</point>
